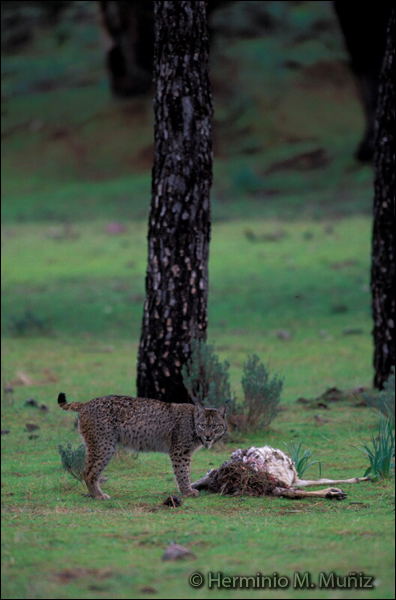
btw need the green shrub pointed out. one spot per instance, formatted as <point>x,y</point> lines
<point>73,459</point>
<point>261,394</point>
<point>300,459</point>
<point>206,378</point>
<point>385,399</point>
<point>381,452</point>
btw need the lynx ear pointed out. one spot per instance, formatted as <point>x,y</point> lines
<point>198,405</point>
<point>223,410</point>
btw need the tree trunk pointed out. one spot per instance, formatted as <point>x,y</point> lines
<point>175,310</point>
<point>383,250</point>
<point>364,30</point>
<point>130,28</point>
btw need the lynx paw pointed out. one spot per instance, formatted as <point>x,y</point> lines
<point>191,493</point>
<point>103,497</point>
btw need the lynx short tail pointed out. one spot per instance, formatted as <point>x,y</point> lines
<point>75,406</point>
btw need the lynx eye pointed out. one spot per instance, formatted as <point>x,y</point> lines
<point>215,427</point>
<point>201,426</point>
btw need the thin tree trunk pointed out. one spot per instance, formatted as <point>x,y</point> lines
<point>175,310</point>
<point>383,250</point>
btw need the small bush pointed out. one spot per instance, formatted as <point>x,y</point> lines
<point>381,452</point>
<point>300,459</point>
<point>73,459</point>
<point>206,378</point>
<point>385,399</point>
<point>262,394</point>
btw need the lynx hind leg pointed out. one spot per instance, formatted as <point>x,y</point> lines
<point>101,443</point>
<point>96,462</point>
<point>181,468</point>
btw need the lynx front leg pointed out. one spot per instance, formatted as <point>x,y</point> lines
<point>181,468</point>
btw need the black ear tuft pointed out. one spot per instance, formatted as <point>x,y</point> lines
<point>62,399</point>
<point>223,409</point>
<point>199,406</point>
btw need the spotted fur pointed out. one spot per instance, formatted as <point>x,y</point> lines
<point>144,426</point>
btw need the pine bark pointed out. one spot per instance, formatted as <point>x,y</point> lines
<point>175,310</point>
<point>383,248</point>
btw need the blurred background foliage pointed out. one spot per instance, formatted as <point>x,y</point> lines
<point>287,116</point>
<point>291,206</point>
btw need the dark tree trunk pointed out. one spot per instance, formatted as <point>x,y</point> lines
<point>364,28</point>
<point>130,26</point>
<point>383,252</point>
<point>175,311</point>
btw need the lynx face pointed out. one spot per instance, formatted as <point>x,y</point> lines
<point>210,425</point>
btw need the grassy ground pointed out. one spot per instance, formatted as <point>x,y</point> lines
<point>289,280</point>
<point>311,282</point>
<point>59,544</point>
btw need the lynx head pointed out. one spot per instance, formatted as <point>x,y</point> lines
<point>210,423</point>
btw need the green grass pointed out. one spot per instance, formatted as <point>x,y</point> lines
<point>381,451</point>
<point>59,544</point>
<point>74,160</point>
<point>315,288</point>
<point>53,536</point>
